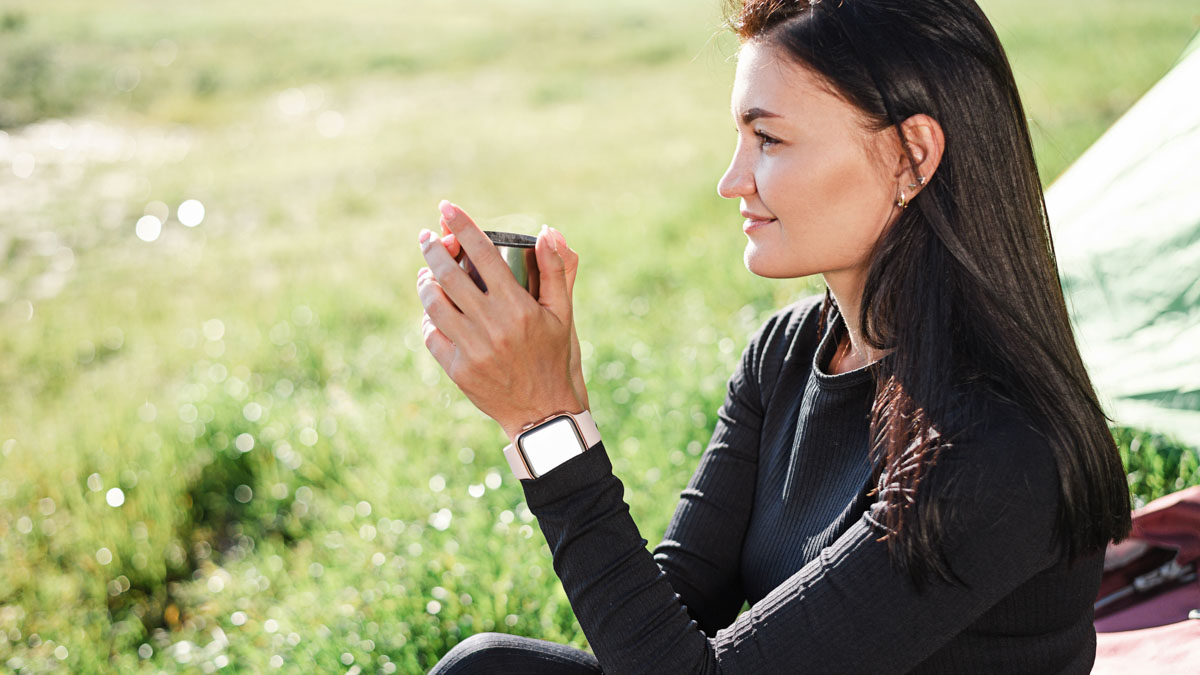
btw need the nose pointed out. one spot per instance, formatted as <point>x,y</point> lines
<point>738,181</point>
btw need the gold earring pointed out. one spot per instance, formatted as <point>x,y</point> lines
<point>903,202</point>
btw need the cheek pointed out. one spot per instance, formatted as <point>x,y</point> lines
<point>855,195</point>
<point>783,184</point>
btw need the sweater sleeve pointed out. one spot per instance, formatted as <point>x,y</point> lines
<point>847,610</point>
<point>701,549</point>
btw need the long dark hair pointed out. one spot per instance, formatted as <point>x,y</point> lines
<point>964,285</point>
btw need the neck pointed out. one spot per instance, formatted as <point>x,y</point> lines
<point>846,287</point>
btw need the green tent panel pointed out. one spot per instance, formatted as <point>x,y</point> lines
<point>1126,225</point>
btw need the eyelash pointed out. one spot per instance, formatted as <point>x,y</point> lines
<point>765,140</point>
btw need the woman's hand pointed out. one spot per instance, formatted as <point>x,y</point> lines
<point>516,358</point>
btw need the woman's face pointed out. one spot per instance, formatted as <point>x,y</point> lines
<point>814,187</point>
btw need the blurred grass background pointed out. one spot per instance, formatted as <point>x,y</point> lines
<point>225,446</point>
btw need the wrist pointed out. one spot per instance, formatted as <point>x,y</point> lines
<point>551,442</point>
<point>514,426</point>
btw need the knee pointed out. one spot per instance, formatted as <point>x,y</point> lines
<point>471,655</point>
<point>482,642</point>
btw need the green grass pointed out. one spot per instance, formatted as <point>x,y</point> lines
<point>373,489</point>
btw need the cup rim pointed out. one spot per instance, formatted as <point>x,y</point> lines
<point>511,239</point>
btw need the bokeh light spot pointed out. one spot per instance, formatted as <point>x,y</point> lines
<point>330,124</point>
<point>244,443</point>
<point>190,213</point>
<point>115,497</point>
<point>243,493</point>
<point>148,228</point>
<point>302,315</point>
<point>213,329</point>
<point>157,209</point>
<point>164,52</point>
<point>127,78</point>
<point>292,102</point>
<point>440,520</point>
<point>308,436</point>
<point>252,412</point>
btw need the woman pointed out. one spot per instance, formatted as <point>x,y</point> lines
<point>910,474</point>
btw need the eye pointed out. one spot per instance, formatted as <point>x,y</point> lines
<point>764,140</point>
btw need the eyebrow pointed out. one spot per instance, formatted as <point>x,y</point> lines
<point>755,113</point>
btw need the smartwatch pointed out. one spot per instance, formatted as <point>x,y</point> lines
<point>546,444</point>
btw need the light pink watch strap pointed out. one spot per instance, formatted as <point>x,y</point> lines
<point>583,421</point>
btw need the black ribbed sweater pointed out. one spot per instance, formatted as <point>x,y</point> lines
<point>777,514</point>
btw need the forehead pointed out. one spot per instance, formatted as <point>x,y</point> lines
<point>766,78</point>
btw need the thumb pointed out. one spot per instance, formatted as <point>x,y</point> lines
<point>553,293</point>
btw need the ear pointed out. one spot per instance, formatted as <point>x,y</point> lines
<point>926,142</point>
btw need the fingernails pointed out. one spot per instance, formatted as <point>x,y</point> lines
<point>447,209</point>
<point>425,238</point>
<point>549,237</point>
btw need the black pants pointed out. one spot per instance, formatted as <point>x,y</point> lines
<point>502,654</point>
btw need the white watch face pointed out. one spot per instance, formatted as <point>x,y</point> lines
<point>550,445</point>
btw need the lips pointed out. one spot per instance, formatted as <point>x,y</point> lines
<point>754,221</point>
<point>754,216</point>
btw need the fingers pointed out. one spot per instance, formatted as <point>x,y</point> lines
<point>449,240</point>
<point>577,370</point>
<point>482,252</point>
<point>451,278</point>
<point>437,343</point>
<point>438,306</point>
<point>553,293</point>
<point>451,243</point>
<point>570,260</point>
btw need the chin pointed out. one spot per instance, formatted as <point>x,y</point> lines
<point>761,263</point>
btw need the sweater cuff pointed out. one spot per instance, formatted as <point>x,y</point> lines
<point>568,478</point>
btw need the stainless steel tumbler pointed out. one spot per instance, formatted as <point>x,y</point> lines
<point>517,251</point>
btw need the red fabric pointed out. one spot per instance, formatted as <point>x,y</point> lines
<point>1172,522</point>
<point>1151,634</point>
<point>1170,649</point>
<point>1167,608</point>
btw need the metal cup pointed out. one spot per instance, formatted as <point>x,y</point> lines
<point>517,251</point>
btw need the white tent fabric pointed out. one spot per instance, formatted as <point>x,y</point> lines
<point>1126,224</point>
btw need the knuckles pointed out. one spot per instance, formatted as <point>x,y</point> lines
<point>426,292</point>
<point>526,313</point>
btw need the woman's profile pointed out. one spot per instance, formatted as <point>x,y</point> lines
<point>909,474</point>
